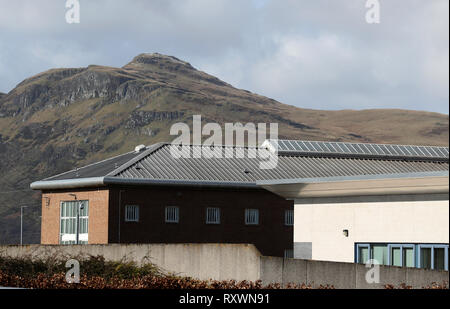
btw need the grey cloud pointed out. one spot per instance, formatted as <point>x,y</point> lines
<point>313,54</point>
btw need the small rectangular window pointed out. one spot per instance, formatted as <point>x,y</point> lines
<point>363,254</point>
<point>425,258</point>
<point>289,217</point>
<point>408,257</point>
<point>251,216</point>
<point>396,256</point>
<point>131,213</point>
<point>172,214</point>
<point>439,258</point>
<point>212,215</point>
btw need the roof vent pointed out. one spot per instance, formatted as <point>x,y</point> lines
<point>140,148</point>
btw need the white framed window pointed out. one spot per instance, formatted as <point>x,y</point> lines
<point>212,215</point>
<point>172,214</point>
<point>132,213</point>
<point>74,222</point>
<point>289,217</point>
<point>252,216</point>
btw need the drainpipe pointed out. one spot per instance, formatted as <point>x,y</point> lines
<point>78,223</point>
<point>120,209</point>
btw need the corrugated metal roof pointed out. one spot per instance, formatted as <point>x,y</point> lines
<point>160,164</point>
<point>97,169</point>
<point>156,163</point>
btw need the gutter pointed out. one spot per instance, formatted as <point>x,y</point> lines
<point>104,181</point>
<point>108,180</point>
<point>68,183</point>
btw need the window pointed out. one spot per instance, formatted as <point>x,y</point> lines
<point>401,255</point>
<point>396,257</point>
<point>408,257</point>
<point>289,217</point>
<point>288,254</point>
<point>379,253</point>
<point>251,216</point>
<point>212,216</point>
<point>131,213</point>
<point>439,258</point>
<point>74,222</point>
<point>428,256</point>
<point>363,254</point>
<point>425,258</point>
<point>172,214</point>
<point>433,256</point>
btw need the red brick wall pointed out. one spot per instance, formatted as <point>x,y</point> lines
<point>271,236</point>
<point>98,214</point>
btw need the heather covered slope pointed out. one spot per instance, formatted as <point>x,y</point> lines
<point>64,118</point>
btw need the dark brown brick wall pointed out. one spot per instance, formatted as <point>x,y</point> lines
<point>271,236</point>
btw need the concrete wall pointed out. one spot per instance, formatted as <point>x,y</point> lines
<point>202,261</point>
<point>368,219</point>
<point>238,262</point>
<point>343,275</point>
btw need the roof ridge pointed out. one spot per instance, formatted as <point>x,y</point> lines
<point>215,145</point>
<point>151,149</point>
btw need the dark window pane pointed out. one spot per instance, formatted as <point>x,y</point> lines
<point>425,258</point>
<point>396,259</point>
<point>439,258</point>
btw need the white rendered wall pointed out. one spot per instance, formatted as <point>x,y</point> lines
<point>322,224</point>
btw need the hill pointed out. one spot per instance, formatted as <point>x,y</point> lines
<point>63,118</point>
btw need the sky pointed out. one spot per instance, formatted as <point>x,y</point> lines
<point>319,54</point>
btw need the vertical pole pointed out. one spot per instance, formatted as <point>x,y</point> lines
<point>78,222</point>
<point>120,214</point>
<point>21,225</point>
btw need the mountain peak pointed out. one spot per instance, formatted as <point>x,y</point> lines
<point>164,66</point>
<point>157,59</point>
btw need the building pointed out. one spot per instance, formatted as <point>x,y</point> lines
<point>352,201</point>
<point>398,217</point>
